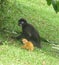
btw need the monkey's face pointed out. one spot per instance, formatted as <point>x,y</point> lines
<point>24,41</point>
<point>22,22</point>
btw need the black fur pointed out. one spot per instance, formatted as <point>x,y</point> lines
<point>29,32</point>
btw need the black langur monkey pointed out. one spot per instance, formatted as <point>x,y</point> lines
<point>30,33</point>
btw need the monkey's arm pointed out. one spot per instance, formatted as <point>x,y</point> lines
<point>20,36</point>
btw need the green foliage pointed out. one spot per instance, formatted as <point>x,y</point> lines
<point>3,12</point>
<point>48,2</point>
<point>55,4</point>
<point>5,43</point>
<point>43,18</point>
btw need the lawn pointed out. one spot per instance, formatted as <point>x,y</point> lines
<point>44,19</point>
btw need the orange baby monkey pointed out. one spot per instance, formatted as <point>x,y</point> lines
<point>28,45</point>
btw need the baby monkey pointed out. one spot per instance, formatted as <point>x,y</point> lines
<point>27,45</point>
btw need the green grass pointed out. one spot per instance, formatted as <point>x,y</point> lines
<point>44,19</point>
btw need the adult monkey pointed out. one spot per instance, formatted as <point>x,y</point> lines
<point>30,33</point>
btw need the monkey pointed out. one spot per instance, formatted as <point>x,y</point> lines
<point>27,45</point>
<point>30,33</point>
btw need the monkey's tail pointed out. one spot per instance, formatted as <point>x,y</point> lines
<point>51,42</point>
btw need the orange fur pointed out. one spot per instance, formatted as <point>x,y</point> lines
<point>27,45</point>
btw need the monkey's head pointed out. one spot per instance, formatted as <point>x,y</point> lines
<point>22,22</point>
<point>24,41</point>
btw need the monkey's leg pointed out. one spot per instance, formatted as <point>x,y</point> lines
<point>36,43</point>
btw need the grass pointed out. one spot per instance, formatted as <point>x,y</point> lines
<point>44,19</point>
